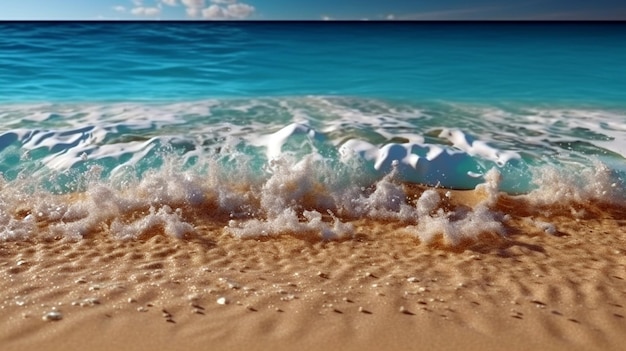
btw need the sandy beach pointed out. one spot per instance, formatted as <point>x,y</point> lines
<point>552,287</point>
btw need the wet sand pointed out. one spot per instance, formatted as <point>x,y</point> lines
<point>554,282</point>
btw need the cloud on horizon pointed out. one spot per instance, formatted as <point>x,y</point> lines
<point>197,9</point>
<point>233,10</point>
<point>146,11</point>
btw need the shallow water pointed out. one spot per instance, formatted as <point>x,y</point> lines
<point>275,128</point>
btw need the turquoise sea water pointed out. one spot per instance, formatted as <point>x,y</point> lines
<point>179,108</point>
<point>479,62</point>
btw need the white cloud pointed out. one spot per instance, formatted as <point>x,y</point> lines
<point>195,4</point>
<point>192,12</point>
<point>214,12</point>
<point>193,7</point>
<point>326,18</point>
<point>240,11</point>
<point>119,8</point>
<point>152,11</point>
<point>232,11</point>
<point>391,17</point>
<point>146,11</point>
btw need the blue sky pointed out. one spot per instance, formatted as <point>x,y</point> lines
<point>311,10</point>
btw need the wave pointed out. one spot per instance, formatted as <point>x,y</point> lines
<point>317,167</point>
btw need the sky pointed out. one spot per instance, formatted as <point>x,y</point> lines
<point>312,10</point>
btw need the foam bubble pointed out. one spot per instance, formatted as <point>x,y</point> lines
<point>462,224</point>
<point>164,219</point>
<point>385,200</point>
<point>566,186</point>
<point>458,226</point>
<point>288,221</point>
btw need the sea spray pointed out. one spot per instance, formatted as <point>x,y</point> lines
<point>132,170</point>
<point>462,224</point>
<point>597,183</point>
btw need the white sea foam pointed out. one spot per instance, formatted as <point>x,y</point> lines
<point>164,218</point>
<point>294,165</point>
<point>418,163</point>
<point>275,142</point>
<point>463,224</point>
<point>104,208</point>
<point>288,221</point>
<point>388,201</point>
<point>479,148</point>
<point>468,226</point>
<point>556,185</point>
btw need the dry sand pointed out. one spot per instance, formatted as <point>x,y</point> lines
<point>382,289</point>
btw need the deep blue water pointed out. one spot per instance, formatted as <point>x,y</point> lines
<point>476,62</point>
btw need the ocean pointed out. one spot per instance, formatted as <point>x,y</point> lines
<point>134,129</point>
